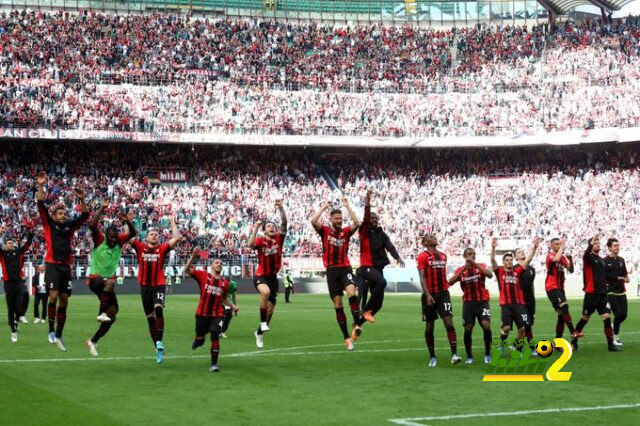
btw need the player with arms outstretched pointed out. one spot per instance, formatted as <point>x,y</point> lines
<point>512,301</point>
<point>374,245</point>
<point>151,258</point>
<point>436,300</point>
<point>335,255</point>
<point>269,248</point>
<point>105,259</point>
<point>210,310</point>
<point>475,301</point>
<point>58,232</point>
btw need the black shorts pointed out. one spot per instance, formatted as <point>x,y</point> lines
<point>531,311</point>
<point>618,304</point>
<point>58,277</point>
<point>593,302</point>
<point>271,281</point>
<point>473,310</point>
<point>557,297</point>
<point>96,285</point>
<point>372,276</point>
<point>515,314</point>
<point>152,296</point>
<point>205,325</point>
<point>441,307</point>
<point>338,279</point>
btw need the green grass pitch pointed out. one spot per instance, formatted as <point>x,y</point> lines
<point>304,375</point>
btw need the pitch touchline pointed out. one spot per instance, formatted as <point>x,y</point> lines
<point>413,421</point>
<point>271,352</point>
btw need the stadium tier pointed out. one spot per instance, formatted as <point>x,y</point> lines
<point>219,192</point>
<point>217,78</point>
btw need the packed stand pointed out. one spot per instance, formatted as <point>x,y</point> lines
<point>465,197</point>
<point>262,77</point>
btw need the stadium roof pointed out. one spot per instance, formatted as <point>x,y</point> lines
<point>561,7</point>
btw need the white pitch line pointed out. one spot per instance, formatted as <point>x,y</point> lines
<point>269,352</point>
<point>413,421</point>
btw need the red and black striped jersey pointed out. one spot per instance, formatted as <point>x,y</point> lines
<point>213,292</point>
<point>269,255</point>
<point>593,274</point>
<point>335,246</point>
<point>58,236</point>
<point>435,270</point>
<point>472,282</point>
<point>555,272</point>
<point>150,263</point>
<point>509,286</point>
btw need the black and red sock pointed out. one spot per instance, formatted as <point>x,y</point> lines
<point>467,343</point>
<point>159,323</point>
<point>580,325</point>
<point>453,340</point>
<point>102,330</point>
<point>61,318</point>
<point>567,319</point>
<point>215,351</point>
<point>51,313</point>
<point>487,341</point>
<point>608,332</point>
<point>559,326</point>
<point>430,341</point>
<point>355,308</point>
<point>152,328</point>
<point>342,322</point>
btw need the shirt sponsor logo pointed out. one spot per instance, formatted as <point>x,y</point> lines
<point>150,257</point>
<point>338,242</point>
<point>268,251</point>
<point>211,289</point>
<point>474,278</point>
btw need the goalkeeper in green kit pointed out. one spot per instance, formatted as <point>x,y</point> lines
<point>105,259</point>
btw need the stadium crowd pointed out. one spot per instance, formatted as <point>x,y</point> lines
<point>465,197</point>
<point>238,76</point>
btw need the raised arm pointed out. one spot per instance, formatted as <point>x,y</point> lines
<point>127,220</point>
<point>41,179</point>
<point>315,218</point>
<point>82,196</point>
<point>532,253</point>
<point>254,234</point>
<point>283,216</point>
<point>355,221</point>
<point>570,268</point>
<point>93,223</point>
<point>175,233</point>
<point>29,229</point>
<point>494,244</point>
<point>367,208</point>
<point>188,268</point>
